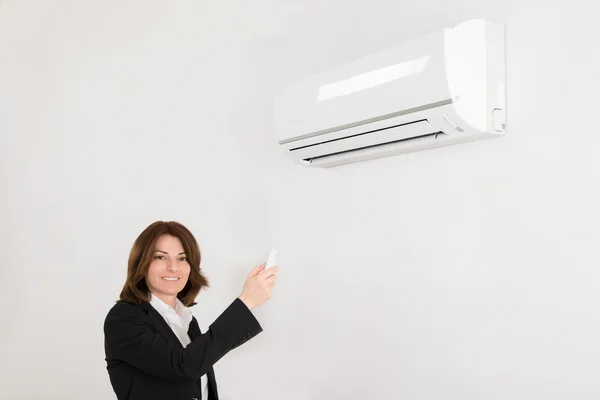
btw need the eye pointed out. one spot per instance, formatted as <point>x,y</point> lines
<point>183,259</point>
<point>159,257</point>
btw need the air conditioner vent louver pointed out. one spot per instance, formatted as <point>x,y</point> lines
<point>375,151</point>
<point>370,139</point>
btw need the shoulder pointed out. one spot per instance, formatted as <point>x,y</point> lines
<point>124,309</point>
<point>126,317</point>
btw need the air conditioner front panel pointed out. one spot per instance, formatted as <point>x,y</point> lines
<point>409,76</point>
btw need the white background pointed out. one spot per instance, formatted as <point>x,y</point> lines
<point>467,272</point>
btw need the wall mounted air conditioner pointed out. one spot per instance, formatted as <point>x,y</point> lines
<point>443,88</point>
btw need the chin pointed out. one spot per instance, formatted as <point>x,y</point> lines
<point>172,292</point>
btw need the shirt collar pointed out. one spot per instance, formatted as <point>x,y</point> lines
<point>165,310</point>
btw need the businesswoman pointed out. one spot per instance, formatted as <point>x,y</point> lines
<point>153,344</point>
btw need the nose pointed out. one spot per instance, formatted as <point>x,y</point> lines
<point>171,266</point>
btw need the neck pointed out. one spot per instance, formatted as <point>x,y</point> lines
<point>167,299</point>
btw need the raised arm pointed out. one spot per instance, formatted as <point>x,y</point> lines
<point>129,339</point>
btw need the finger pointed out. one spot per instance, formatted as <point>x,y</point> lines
<point>269,271</point>
<point>257,270</point>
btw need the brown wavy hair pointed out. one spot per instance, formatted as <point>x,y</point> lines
<point>135,289</point>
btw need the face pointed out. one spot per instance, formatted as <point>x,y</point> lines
<point>169,269</point>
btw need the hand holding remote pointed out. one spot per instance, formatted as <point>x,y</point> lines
<point>259,285</point>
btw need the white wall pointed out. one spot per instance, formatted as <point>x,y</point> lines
<point>114,116</point>
<point>467,272</point>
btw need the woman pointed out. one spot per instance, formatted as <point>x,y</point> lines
<point>154,347</point>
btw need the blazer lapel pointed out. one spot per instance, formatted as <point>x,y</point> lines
<point>160,323</point>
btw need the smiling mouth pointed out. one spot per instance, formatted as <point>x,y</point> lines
<point>170,279</point>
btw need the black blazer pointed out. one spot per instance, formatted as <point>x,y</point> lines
<point>146,361</point>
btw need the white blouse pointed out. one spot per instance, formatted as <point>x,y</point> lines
<point>179,320</point>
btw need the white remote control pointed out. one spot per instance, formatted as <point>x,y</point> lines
<point>271,261</point>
